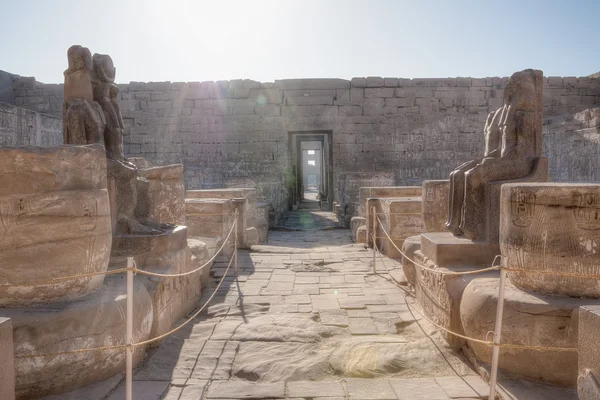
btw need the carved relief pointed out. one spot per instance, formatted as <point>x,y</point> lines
<point>522,208</point>
<point>90,215</point>
<point>587,210</point>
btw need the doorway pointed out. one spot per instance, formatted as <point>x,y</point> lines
<point>311,163</point>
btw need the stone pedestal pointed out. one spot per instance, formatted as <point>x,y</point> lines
<point>355,223</point>
<point>409,247</point>
<point>211,218</point>
<point>92,321</point>
<point>553,227</point>
<point>164,200</point>
<point>588,381</point>
<point>435,205</point>
<point>444,249</point>
<point>7,361</point>
<point>54,222</point>
<point>529,319</point>
<point>245,201</point>
<point>366,193</point>
<point>440,295</point>
<point>401,218</point>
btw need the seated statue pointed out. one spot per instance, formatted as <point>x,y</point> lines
<point>83,119</point>
<point>513,136</point>
<point>93,115</point>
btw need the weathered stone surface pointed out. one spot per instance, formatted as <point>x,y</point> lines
<point>211,218</point>
<point>93,321</point>
<point>445,249</point>
<point>246,390</point>
<point>588,386</point>
<point>513,136</point>
<point>441,294</point>
<point>7,361</point>
<point>552,227</point>
<point>54,213</point>
<point>410,245</point>
<point>250,215</point>
<point>435,205</point>
<point>401,218</point>
<point>164,199</point>
<point>355,224</point>
<point>313,389</point>
<point>531,320</point>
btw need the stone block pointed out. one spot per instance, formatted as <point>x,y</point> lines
<point>55,213</point>
<point>551,227</point>
<point>355,223</point>
<point>309,100</point>
<point>409,247</point>
<point>401,217</point>
<point>312,84</point>
<point>358,82</point>
<point>379,92</point>
<point>400,102</point>
<point>446,250</point>
<point>48,329</point>
<point>534,320</point>
<point>390,82</point>
<point>435,204</point>
<point>588,380</point>
<point>374,81</point>
<point>7,361</point>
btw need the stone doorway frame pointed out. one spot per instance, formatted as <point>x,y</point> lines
<point>295,162</point>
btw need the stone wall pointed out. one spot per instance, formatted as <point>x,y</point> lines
<point>22,127</point>
<point>236,133</point>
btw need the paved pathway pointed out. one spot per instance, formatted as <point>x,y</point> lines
<point>305,320</point>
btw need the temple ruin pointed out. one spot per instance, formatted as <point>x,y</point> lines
<point>377,238</point>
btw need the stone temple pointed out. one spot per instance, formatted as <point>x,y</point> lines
<point>378,238</point>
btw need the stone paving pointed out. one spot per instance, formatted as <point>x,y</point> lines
<point>305,319</point>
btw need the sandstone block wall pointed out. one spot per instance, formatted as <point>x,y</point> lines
<point>236,133</point>
<point>23,127</point>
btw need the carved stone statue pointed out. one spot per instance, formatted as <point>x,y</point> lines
<point>83,117</point>
<point>92,115</point>
<point>513,147</point>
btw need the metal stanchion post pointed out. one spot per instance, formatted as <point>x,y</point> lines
<point>374,236</point>
<point>235,243</point>
<point>497,335</point>
<point>129,333</point>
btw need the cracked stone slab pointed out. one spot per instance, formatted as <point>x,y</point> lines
<point>246,390</point>
<point>314,389</point>
<point>334,317</point>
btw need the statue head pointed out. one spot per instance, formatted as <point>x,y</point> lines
<point>80,58</point>
<point>104,68</point>
<point>522,90</point>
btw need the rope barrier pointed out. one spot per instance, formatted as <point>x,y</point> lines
<point>437,271</point>
<point>398,213</point>
<point>134,345</point>
<point>490,343</point>
<point>209,215</point>
<point>135,269</point>
<point>492,268</point>
<point>193,316</point>
<point>144,272</point>
<point>71,277</point>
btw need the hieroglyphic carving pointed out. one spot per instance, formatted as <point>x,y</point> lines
<point>587,210</point>
<point>523,207</point>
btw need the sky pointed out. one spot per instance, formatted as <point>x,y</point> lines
<point>264,40</point>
